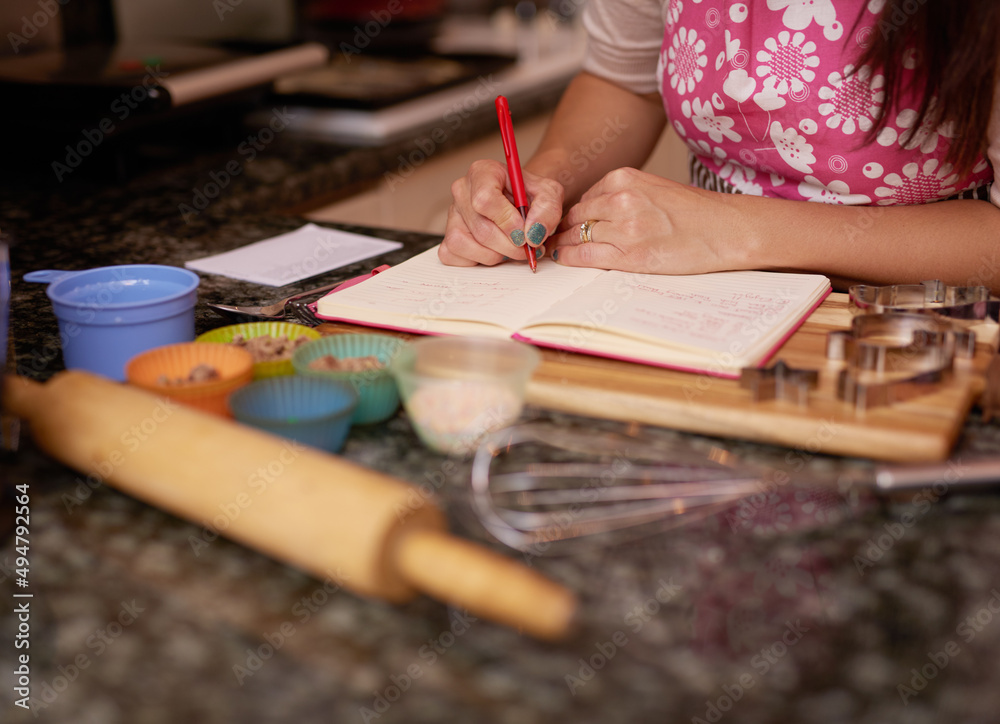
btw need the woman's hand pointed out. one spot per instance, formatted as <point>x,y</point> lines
<point>649,224</point>
<point>484,227</point>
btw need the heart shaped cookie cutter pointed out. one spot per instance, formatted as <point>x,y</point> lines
<point>895,356</point>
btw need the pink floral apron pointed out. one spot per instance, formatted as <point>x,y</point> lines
<point>770,103</point>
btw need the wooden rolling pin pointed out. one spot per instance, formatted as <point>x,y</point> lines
<point>312,510</point>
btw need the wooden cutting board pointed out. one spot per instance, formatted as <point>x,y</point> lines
<point>921,429</point>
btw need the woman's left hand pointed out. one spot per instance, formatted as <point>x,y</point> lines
<point>652,225</point>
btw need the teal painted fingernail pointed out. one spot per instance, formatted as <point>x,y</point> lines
<point>506,258</point>
<point>536,234</point>
<point>517,236</point>
<point>555,255</point>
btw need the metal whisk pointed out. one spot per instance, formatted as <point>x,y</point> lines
<point>625,484</point>
<point>629,486</point>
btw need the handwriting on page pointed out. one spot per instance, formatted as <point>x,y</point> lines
<point>681,309</point>
<point>707,312</point>
<point>504,295</point>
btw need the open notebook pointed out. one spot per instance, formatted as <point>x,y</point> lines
<point>710,323</point>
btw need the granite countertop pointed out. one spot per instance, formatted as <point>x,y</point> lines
<point>813,607</point>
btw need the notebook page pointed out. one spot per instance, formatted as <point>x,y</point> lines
<point>422,292</point>
<point>726,312</point>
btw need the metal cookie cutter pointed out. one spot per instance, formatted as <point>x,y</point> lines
<point>961,304</point>
<point>779,382</point>
<point>895,356</point>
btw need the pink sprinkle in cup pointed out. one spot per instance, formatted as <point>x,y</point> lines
<point>457,390</point>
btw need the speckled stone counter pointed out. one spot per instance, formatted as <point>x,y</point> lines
<point>814,608</point>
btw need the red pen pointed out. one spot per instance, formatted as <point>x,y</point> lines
<point>514,171</point>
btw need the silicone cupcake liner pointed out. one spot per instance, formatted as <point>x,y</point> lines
<point>378,397</point>
<point>154,369</point>
<point>251,330</point>
<point>311,410</point>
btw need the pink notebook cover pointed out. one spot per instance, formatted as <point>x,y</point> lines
<point>579,350</point>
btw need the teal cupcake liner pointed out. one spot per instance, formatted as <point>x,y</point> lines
<point>378,396</point>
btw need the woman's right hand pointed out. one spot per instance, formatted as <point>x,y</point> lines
<point>484,226</point>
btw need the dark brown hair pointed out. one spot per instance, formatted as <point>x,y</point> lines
<point>957,45</point>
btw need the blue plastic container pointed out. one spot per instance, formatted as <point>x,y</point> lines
<point>311,410</point>
<point>110,314</point>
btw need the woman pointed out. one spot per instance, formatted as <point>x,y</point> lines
<point>873,109</point>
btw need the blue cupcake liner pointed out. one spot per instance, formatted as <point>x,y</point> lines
<point>310,410</point>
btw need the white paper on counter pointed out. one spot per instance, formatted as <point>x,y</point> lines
<point>294,256</point>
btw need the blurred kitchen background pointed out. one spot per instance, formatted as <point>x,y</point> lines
<point>273,21</point>
<point>373,74</point>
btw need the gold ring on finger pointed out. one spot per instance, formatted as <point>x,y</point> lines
<point>585,228</point>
